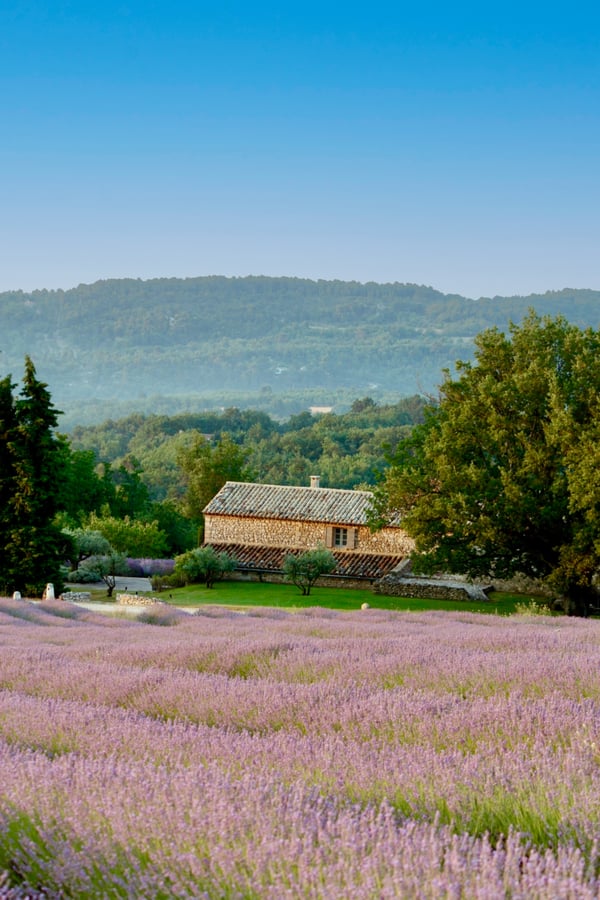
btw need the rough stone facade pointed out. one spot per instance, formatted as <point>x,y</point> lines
<point>300,535</point>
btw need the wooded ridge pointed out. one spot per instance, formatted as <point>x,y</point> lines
<point>130,341</point>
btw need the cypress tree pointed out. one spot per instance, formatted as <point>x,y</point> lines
<point>7,473</point>
<point>33,546</point>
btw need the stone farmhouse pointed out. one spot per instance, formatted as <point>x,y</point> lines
<point>260,524</point>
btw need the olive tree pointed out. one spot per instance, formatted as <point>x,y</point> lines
<point>305,569</point>
<point>104,568</point>
<point>203,566</point>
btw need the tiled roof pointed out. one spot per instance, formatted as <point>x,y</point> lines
<point>348,564</point>
<point>307,504</point>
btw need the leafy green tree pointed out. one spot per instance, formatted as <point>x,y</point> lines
<point>85,489</point>
<point>207,467</point>
<point>503,478</point>
<point>306,568</point>
<point>34,546</point>
<point>131,494</point>
<point>203,566</point>
<point>130,536</point>
<point>362,405</point>
<point>104,568</point>
<point>86,543</point>
<point>180,533</point>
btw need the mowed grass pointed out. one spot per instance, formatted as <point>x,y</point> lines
<point>260,594</point>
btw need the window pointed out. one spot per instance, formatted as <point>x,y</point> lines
<point>340,537</point>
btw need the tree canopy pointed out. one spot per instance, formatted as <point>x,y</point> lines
<point>305,569</point>
<point>32,458</point>
<point>503,477</point>
<point>207,467</point>
<point>203,565</point>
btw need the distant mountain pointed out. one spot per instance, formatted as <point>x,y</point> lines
<point>118,343</point>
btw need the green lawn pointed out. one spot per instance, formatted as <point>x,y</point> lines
<point>240,594</point>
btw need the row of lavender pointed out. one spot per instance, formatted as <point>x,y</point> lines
<point>311,755</point>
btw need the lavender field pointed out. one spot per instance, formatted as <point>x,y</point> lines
<point>308,755</point>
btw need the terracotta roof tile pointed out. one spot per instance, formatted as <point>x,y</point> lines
<point>270,559</point>
<point>307,504</point>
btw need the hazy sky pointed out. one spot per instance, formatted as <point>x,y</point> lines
<point>450,144</point>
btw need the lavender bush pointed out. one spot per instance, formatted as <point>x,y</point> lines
<point>145,568</point>
<point>367,755</point>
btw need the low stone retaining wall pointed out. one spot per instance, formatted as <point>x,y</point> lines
<point>428,589</point>
<point>134,600</point>
<point>76,596</point>
<point>363,584</point>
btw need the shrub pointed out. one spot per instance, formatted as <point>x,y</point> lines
<point>159,614</point>
<point>203,566</point>
<point>532,608</point>
<point>303,570</point>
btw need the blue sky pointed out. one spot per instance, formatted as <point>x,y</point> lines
<point>449,144</point>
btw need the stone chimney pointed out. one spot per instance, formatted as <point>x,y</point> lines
<point>315,481</point>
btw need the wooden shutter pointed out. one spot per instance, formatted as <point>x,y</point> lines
<point>352,538</point>
<point>329,536</point>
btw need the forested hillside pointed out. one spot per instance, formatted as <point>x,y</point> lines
<point>278,343</point>
<point>345,450</point>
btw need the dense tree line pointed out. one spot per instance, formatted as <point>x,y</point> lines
<point>163,452</point>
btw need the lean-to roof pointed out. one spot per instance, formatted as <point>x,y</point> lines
<point>251,558</point>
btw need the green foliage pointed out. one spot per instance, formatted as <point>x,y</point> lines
<point>85,488</point>
<point>203,566</point>
<point>86,542</point>
<point>502,478</point>
<point>346,449</point>
<point>32,458</point>
<point>306,568</point>
<point>180,533</point>
<point>101,568</point>
<point>130,536</point>
<point>207,467</point>
<point>131,494</point>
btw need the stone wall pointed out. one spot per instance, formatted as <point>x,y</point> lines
<point>292,534</point>
<point>428,588</point>
<point>134,600</point>
<point>278,578</point>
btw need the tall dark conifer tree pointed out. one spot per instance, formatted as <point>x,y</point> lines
<point>7,471</point>
<point>33,546</point>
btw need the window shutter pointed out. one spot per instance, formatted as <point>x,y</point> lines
<point>329,536</point>
<point>352,538</point>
